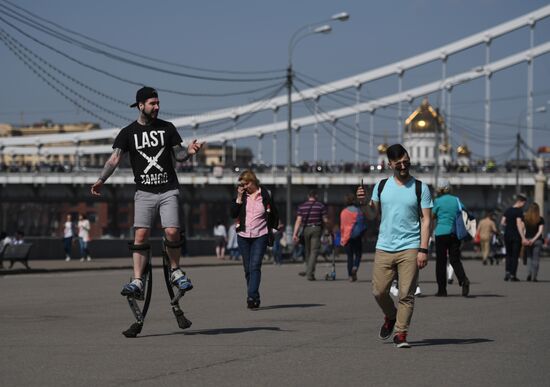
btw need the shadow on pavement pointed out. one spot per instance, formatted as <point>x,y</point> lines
<point>286,306</point>
<point>428,342</point>
<point>219,331</point>
<point>460,296</point>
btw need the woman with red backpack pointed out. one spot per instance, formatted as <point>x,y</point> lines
<point>352,227</point>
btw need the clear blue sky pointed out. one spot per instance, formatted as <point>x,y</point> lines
<point>252,35</point>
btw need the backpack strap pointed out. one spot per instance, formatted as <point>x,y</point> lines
<point>418,189</point>
<point>380,188</point>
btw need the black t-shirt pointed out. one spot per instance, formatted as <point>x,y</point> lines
<point>150,150</point>
<point>531,230</point>
<point>511,230</point>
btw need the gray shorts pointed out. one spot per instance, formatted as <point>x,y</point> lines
<point>147,204</point>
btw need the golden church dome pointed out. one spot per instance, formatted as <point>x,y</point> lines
<point>463,150</point>
<point>382,148</point>
<point>425,119</point>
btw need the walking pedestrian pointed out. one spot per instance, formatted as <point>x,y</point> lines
<point>534,229</point>
<point>447,244</point>
<point>514,236</point>
<point>220,233</point>
<point>232,245</point>
<point>153,146</point>
<point>84,237</point>
<point>352,227</point>
<point>311,217</point>
<point>257,216</point>
<point>68,235</point>
<point>405,206</point>
<point>278,244</point>
<point>486,229</point>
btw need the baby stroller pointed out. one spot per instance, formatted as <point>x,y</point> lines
<point>498,249</point>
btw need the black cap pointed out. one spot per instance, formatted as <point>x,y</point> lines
<point>521,196</point>
<point>144,94</point>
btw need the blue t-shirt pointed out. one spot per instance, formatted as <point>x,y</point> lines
<point>445,208</point>
<point>400,224</point>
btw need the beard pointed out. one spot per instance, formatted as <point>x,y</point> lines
<point>402,173</point>
<point>152,115</point>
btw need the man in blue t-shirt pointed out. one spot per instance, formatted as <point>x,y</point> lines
<point>402,246</point>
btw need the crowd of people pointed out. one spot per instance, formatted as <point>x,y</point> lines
<point>403,204</point>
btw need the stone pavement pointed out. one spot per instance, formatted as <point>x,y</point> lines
<point>64,329</point>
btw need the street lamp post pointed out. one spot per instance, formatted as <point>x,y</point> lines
<point>519,141</point>
<point>296,37</point>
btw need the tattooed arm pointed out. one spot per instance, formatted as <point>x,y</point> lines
<point>110,166</point>
<point>180,153</point>
<point>183,154</point>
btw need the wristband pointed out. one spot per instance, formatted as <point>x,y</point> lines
<point>421,250</point>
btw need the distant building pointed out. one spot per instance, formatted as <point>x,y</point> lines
<point>222,155</point>
<point>422,129</point>
<point>48,127</point>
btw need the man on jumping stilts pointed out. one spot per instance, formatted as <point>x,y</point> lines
<point>153,145</point>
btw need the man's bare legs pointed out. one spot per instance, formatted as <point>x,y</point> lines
<point>140,256</point>
<point>173,235</point>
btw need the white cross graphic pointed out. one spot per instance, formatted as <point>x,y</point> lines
<point>153,161</point>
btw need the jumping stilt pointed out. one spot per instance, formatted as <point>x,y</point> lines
<point>183,322</point>
<point>140,313</point>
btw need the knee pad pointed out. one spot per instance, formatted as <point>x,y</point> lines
<point>173,245</point>
<point>142,247</point>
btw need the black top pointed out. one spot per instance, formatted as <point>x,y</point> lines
<point>511,230</point>
<point>150,150</point>
<point>531,230</point>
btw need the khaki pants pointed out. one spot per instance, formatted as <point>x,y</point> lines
<point>386,266</point>
<point>485,248</point>
<point>312,237</point>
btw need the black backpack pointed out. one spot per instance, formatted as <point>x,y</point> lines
<point>417,188</point>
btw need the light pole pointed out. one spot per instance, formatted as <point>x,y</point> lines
<point>519,141</point>
<point>297,36</point>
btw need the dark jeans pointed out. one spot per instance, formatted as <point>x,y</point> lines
<point>354,249</point>
<point>513,248</point>
<point>67,245</point>
<point>448,246</point>
<point>277,251</point>
<point>252,251</point>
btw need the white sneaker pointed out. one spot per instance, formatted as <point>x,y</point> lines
<point>418,292</point>
<point>82,259</point>
<point>394,291</point>
<point>88,258</point>
<point>67,258</point>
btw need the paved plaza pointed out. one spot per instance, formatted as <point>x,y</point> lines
<point>64,329</point>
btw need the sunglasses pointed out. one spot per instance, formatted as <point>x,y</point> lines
<point>402,164</point>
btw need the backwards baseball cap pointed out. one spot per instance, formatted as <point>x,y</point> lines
<point>144,94</point>
<point>521,196</point>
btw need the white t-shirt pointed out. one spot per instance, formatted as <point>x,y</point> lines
<point>68,230</point>
<point>220,231</point>
<point>84,229</point>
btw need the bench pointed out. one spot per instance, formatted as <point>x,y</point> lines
<point>17,253</point>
